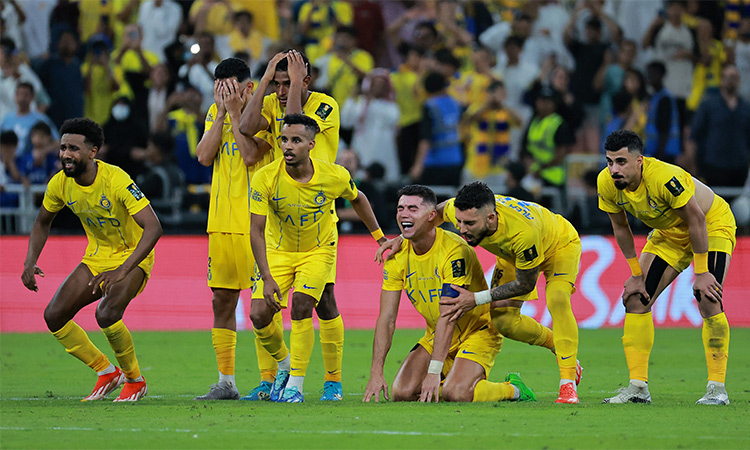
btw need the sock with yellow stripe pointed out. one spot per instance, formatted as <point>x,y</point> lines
<point>121,341</point>
<point>225,343</point>
<point>266,363</point>
<point>487,391</point>
<point>509,322</point>
<point>716,344</point>
<point>271,337</point>
<point>301,342</point>
<point>565,336</point>
<point>637,341</point>
<point>78,344</point>
<point>332,346</point>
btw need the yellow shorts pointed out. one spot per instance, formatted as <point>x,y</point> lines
<point>307,272</point>
<point>482,347</point>
<point>230,261</point>
<point>146,265</point>
<point>673,245</point>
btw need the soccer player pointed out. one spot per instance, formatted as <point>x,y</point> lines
<point>294,197</point>
<point>690,223</point>
<point>527,239</point>
<point>122,230</point>
<point>288,73</point>
<point>463,351</point>
<point>235,158</point>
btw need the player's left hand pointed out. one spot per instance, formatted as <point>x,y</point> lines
<point>458,305</point>
<point>232,97</point>
<point>271,292</point>
<point>106,279</point>
<point>430,388</point>
<point>707,287</point>
<point>297,67</point>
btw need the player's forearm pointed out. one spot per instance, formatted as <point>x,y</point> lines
<point>210,143</point>
<point>624,239</point>
<point>294,98</point>
<point>511,289</point>
<point>37,239</point>
<point>381,344</point>
<point>363,209</point>
<point>151,234</point>
<point>443,337</point>
<point>250,120</point>
<point>246,145</point>
<point>698,233</point>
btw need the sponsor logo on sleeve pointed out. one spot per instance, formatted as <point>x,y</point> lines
<point>135,192</point>
<point>674,187</point>
<point>530,254</point>
<point>323,111</point>
<point>459,267</point>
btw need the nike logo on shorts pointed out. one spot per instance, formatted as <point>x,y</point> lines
<point>566,357</point>
<point>308,287</point>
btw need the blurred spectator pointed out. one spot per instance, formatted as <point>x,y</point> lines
<point>517,75</point>
<point>547,140</point>
<point>184,118</point>
<point>157,94</point>
<point>24,118</point>
<point>38,166</point>
<point>213,17</point>
<point>12,71</point>
<point>100,84</point>
<point>124,131</point>
<point>9,173</point>
<point>65,16</point>
<point>368,21</point>
<point>568,106</point>
<point>369,181</point>
<point>721,131</point>
<point>163,176</point>
<point>439,155</point>
<point>516,172</point>
<point>342,69</point>
<point>634,84</point>
<point>496,37</point>
<point>132,65</point>
<point>409,98</point>
<point>585,10</point>
<point>711,58</point>
<point>318,20</point>
<point>13,18</point>
<point>623,117</point>
<point>63,80</point>
<point>489,126</point>
<point>451,25</point>
<point>36,28</point>
<point>374,117</point>
<point>402,20</point>
<point>199,70</point>
<point>245,37</point>
<point>267,17</point>
<point>742,57</point>
<point>160,21</point>
<point>663,121</point>
<point>448,66</point>
<point>609,78</point>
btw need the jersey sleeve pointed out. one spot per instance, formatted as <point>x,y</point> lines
<point>53,196</point>
<point>449,211</point>
<point>458,265</point>
<point>259,194</point>
<point>210,118</point>
<point>676,187</point>
<point>327,115</point>
<point>350,191</point>
<point>527,248</point>
<point>129,193</point>
<point>604,189</point>
<point>393,277</point>
<point>268,112</point>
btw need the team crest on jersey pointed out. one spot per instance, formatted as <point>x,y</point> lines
<point>137,194</point>
<point>320,198</point>
<point>210,117</point>
<point>459,267</point>
<point>324,110</point>
<point>674,187</point>
<point>104,202</point>
<point>530,254</point>
<point>651,202</point>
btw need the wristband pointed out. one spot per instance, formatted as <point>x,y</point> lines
<point>701,262</point>
<point>635,268</point>
<point>482,297</point>
<point>435,368</point>
<point>377,234</point>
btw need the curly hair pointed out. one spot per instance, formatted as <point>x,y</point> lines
<point>624,138</point>
<point>91,131</point>
<point>300,119</point>
<point>474,195</point>
<point>232,67</point>
<point>426,194</point>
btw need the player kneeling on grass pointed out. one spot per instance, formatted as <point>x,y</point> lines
<point>294,197</point>
<point>458,353</point>
<point>122,230</point>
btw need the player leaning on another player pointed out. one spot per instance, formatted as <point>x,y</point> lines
<point>122,230</point>
<point>690,222</point>
<point>463,351</point>
<point>526,239</point>
<point>293,198</point>
<point>288,73</point>
<point>235,158</point>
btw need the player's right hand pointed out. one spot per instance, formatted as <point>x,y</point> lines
<point>29,279</point>
<point>271,288</point>
<point>636,286</point>
<point>271,67</point>
<point>375,386</point>
<point>219,98</point>
<point>392,245</point>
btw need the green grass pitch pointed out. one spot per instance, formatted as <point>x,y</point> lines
<point>41,387</point>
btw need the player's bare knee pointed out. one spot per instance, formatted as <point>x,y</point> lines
<point>224,306</point>
<point>455,392</point>
<point>401,393</point>
<point>108,314</point>
<point>55,317</point>
<point>260,317</point>
<point>302,308</point>
<point>634,305</point>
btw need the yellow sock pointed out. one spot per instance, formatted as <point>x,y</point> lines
<point>271,338</point>
<point>225,342</point>
<point>301,341</point>
<point>487,391</point>
<point>332,346</point>
<point>637,341</point>
<point>565,336</point>
<point>266,364</point>
<point>122,343</point>
<point>716,343</point>
<point>78,344</point>
<point>512,324</point>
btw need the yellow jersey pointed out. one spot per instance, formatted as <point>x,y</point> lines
<point>409,95</point>
<point>106,209</point>
<point>664,187</point>
<point>229,206</point>
<point>342,78</point>
<point>300,216</point>
<point>320,107</point>
<point>450,261</point>
<point>527,234</point>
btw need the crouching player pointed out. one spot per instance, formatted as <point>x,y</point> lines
<point>461,352</point>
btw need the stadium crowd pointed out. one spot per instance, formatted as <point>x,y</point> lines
<point>518,94</point>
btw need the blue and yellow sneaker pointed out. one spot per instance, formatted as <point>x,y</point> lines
<point>332,392</point>
<point>261,393</point>
<point>292,395</point>
<point>527,395</point>
<point>282,377</point>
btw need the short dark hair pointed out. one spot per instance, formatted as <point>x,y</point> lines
<point>27,85</point>
<point>434,82</point>
<point>474,195</point>
<point>426,194</point>
<point>300,119</point>
<point>404,48</point>
<point>513,40</point>
<point>91,131</point>
<point>351,31</point>
<point>283,65</point>
<point>516,170</point>
<point>624,138</point>
<point>9,137</point>
<point>594,23</point>
<point>445,56</point>
<point>243,13</point>
<point>621,101</point>
<point>41,127</point>
<point>658,66</point>
<point>429,26</point>
<point>232,67</point>
<point>162,140</point>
